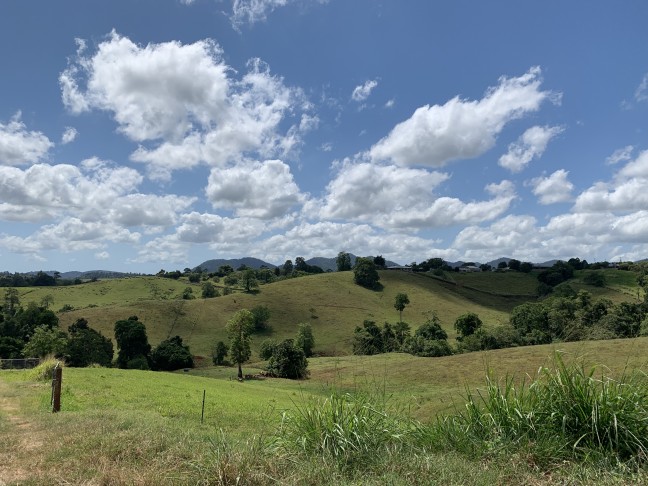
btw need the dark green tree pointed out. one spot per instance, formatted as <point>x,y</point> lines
<point>220,353</point>
<point>367,339</point>
<point>343,261</point>
<point>209,290</point>
<point>132,342</point>
<point>267,348</point>
<point>400,302</point>
<point>305,340</point>
<point>288,361</point>
<point>379,261</point>
<point>365,274</point>
<point>86,346</point>
<point>466,324</point>
<point>239,328</point>
<point>249,280</point>
<point>261,315</point>
<point>171,355</point>
<point>288,267</point>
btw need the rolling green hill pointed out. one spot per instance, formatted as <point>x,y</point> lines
<point>330,302</point>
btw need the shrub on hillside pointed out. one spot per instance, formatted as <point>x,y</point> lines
<point>288,361</point>
<point>171,355</point>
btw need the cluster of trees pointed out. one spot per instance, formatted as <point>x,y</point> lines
<point>572,316</point>
<point>565,316</point>
<point>286,359</point>
<point>39,279</point>
<point>135,352</point>
<point>428,340</point>
<point>34,332</point>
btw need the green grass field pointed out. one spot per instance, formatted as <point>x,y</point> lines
<point>137,427</point>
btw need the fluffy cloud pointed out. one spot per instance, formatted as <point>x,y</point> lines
<point>363,91</point>
<point>327,238</point>
<point>367,191</point>
<point>18,146</point>
<point>94,193</point>
<point>260,189</point>
<point>396,197</point>
<point>69,135</point>
<point>182,96</point>
<point>69,235</point>
<point>553,189</point>
<point>531,145</point>
<point>460,128</point>
<point>626,193</point>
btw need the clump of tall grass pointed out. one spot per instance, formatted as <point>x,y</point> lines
<point>347,428</point>
<point>43,372</point>
<point>567,412</point>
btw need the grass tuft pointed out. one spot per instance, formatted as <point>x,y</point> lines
<point>568,412</point>
<point>43,372</point>
<point>348,428</point>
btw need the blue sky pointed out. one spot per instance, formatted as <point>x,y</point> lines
<point>148,134</point>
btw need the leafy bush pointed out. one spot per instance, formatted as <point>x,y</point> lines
<point>86,346</point>
<point>288,361</point>
<point>220,353</point>
<point>305,340</point>
<point>267,348</point>
<point>261,315</point>
<point>365,274</point>
<point>171,355</point>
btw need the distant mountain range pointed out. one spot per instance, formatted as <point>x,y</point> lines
<point>324,263</point>
<point>213,265</point>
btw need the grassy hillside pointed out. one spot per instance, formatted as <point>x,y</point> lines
<point>330,302</point>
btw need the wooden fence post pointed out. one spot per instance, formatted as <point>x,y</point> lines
<point>57,378</point>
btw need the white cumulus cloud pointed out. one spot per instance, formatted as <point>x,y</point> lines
<point>19,146</point>
<point>69,135</point>
<point>554,188</point>
<point>531,145</point>
<point>258,189</point>
<point>460,129</point>
<point>182,104</point>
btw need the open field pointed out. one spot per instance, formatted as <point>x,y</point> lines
<point>135,427</point>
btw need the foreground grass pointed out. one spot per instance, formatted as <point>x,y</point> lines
<point>135,427</point>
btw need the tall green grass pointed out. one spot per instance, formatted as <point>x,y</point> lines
<point>568,413</point>
<point>346,428</point>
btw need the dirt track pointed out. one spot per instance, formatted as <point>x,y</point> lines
<point>21,441</point>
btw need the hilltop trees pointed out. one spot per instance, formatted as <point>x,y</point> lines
<point>343,262</point>
<point>365,273</point>
<point>239,328</point>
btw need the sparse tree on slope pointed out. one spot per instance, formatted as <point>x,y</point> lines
<point>239,328</point>
<point>400,302</point>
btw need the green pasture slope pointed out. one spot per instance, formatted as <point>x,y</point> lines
<point>142,427</point>
<point>330,302</point>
